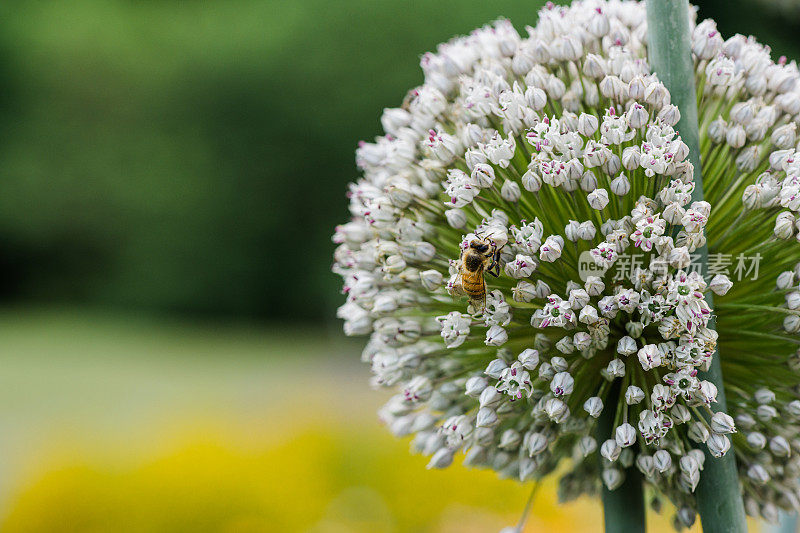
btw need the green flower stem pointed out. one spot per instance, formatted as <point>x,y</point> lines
<point>718,494</point>
<point>623,507</point>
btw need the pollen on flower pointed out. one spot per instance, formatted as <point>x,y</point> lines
<point>559,150</point>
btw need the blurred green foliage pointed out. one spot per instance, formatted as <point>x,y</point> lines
<point>192,156</point>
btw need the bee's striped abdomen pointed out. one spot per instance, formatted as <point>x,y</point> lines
<point>473,284</point>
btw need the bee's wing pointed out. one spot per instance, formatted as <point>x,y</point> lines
<point>455,286</point>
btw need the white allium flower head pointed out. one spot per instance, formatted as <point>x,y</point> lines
<point>521,253</point>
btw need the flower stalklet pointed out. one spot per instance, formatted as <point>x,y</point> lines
<point>522,255</point>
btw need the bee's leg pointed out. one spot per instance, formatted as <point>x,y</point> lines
<point>494,268</point>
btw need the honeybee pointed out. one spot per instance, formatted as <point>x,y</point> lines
<point>482,255</point>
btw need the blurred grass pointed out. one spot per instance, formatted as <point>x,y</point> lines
<point>128,424</point>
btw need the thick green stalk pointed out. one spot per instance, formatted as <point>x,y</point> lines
<point>623,507</point>
<point>719,495</point>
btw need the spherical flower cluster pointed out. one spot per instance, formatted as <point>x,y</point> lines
<point>559,151</point>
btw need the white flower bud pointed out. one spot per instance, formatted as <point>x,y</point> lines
<point>490,396</point>
<point>756,440</point>
<point>613,165</point>
<point>559,364</point>
<point>680,257</point>
<point>680,414</point>
<point>587,124</point>
<point>537,443</point>
<point>524,291</point>
<point>636,116</point>
<point>722,423</point>
<point>555,88</point>
<point>792,324</point>
<point>475,386</point>
<point>495,368</point>
<point>441,459</point>
<point>669,115</point>
<point>707,391</point>
<point>674,213</point>
<point>690,471</point>
<point>496,336</point>
<point>588,181</point>
<point>626,346</point>
<point>431,279</point>
<point>631,157</point>
<point>745,420</point>
<point>598,199</point>
<point>594,66</point>
<point>531,181</point>
<point>706,41</point>
<point>758,474</point>
<point>784,225</point>
<point>633,395</point>
<point>593,406</point>
<point>720,72</point>
<point>529,358</point>
<point>612,478</point>
<point>735,136</point>
<point>587,231</point>
<point>610,450</point>
<point>720,284</point>
<point>546,371</point>
<point>718,130</point>
<point>482,175</point>
<point>698,432</point>
<point>587,445</point>
<point>779,447</point>
<point>594,286</point>
<point>611,87</point>
<point>536,98</point>
<point>784,137</point>
<point>571,230</point>
<point>620,185</point>
<point>510,191</point>
<point>718,444</point>
<point>625,435</point>
<point>394,119</point>
<point>785,280</point>
<point>588,315</point>
<point>646,465</point>
<point>474,157</point>
<point>509,440</point>
<point>616,368</point>
<point>456,218</point>
<point>636,88</point>
<point>764,396</point>
<point>662,460</point>
<point>770,513</point>
<point>487,417</point>
<point>556,410</point>
<point>565,345</point>
<point>765,413</point>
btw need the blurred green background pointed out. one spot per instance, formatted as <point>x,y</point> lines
<point>192,156</point>
<point>170,175</point>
